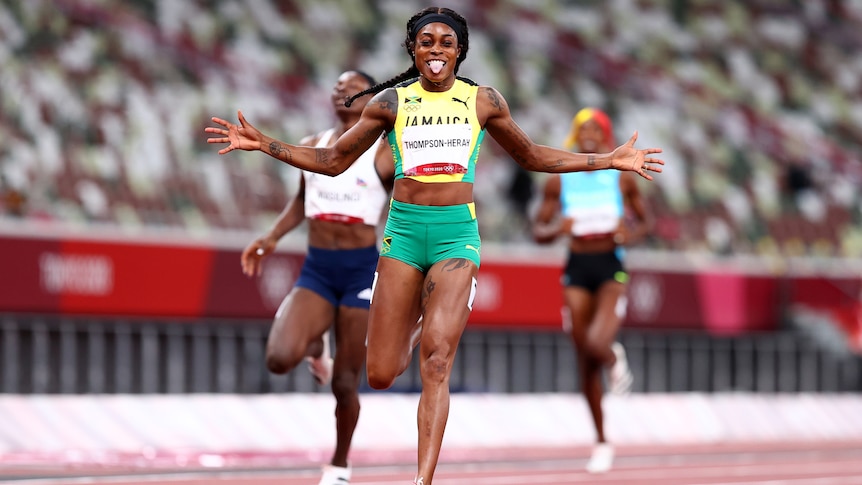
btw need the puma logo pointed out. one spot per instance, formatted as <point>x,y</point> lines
<point>462,102</point>
<point>470,246</point>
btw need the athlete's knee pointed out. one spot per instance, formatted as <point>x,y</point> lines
<point>279,361</point>
<point>381,374</point>
<point>590,347</point>
<point>379,378</point>
<point>597,348</point>
<point>436,367</point>
<point>276,364</point>
<point>345,385</point>
<point>588,367</point>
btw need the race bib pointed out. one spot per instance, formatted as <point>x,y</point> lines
<point>595,220</point>
<point>436,149</point>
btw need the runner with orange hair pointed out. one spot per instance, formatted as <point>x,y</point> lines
<point>593,206</point>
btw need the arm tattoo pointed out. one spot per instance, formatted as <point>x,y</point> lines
<point>277,149</point>
<point>321,156</point>
<point>361,141</point>
<point>591,160</point>
<point>496,102</point>
<point>520,138</point>
<point>517,135</point>
<point>388,101</point>
<point>388,106</point>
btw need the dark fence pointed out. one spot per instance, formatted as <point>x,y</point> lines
<point>80,356</point>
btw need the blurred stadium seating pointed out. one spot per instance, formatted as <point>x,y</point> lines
<point>758,105</point>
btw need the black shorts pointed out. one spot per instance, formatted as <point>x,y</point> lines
<point>591,270</point>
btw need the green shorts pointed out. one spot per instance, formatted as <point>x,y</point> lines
<point>422,235</point>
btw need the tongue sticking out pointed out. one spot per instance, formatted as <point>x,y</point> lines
<point>436,66</point>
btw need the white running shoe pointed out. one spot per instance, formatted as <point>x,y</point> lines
<point>602,458</point>
<point>335,475</point>
<point>620,376</point>
<point>321,367</point>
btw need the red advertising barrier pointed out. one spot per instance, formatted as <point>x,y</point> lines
<point>723,303</point>
<point>84,277</point>
<point>102,277</point>
<point>513,294</point>
<point>517,294</point>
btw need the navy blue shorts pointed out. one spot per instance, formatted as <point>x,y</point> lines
<point>591,270</point>
<point>342,276</point>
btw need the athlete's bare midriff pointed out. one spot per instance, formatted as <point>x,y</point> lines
<point>593,244</point>
<point>338,235</point>
<point>421,193</point>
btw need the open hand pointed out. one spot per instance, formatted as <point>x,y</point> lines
<point>239,137</point>
<point>628,158</point>
<point>253,254</point>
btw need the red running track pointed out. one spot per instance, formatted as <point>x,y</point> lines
<point>803,463</point>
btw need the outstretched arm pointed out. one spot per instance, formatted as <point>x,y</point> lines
<point>377,116</point>
<point>495,116</point>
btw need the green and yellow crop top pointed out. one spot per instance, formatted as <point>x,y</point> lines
<point>437,136</point>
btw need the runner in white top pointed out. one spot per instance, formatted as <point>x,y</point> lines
<point>357,196</point>
<point>334,287</point>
